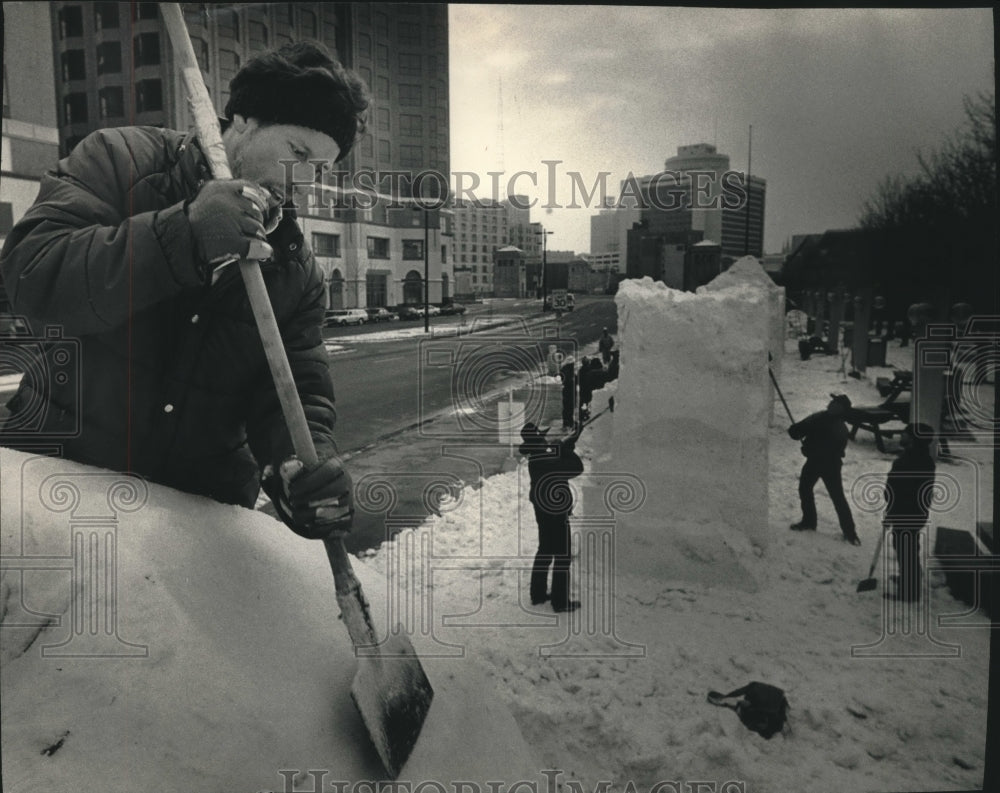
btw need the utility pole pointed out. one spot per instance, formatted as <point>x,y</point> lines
<point>746,235</point>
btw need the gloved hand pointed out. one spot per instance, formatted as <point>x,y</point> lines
<point>227,220</point>
<point>315,502</point>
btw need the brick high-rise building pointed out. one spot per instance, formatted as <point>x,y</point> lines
<point>114,67</point>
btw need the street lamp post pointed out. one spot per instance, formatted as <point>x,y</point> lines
<point>544,234</point>
<point>427,313</point>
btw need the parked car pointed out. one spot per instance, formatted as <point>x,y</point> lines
<point>345,316</point>
<point>431,310</point>
<point>381,314</point>
<point>410,312</point>
<point>448,309</point>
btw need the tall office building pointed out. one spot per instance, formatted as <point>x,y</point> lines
<point>609,237</point>
<point>480,228</point>
<point>114,67</point>
<point>696,200</point>
<point>30,141</point>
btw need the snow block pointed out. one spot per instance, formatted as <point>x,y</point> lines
<point>154,640</point>
<point>747,271</point>
<point>691,422</point>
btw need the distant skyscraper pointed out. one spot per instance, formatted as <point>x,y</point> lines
<point>697,199</point>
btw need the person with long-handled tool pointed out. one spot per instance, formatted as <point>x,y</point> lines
<point>824,438</point>
<point>198,373</point>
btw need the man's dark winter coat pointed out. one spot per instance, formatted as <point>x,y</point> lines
<point>907,488</point>
<point>825,436</point>
<point>170,379</point>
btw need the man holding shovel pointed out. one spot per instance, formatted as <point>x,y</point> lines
<point>908,494</point>
<point>129,250</point>
<point>824,440</point>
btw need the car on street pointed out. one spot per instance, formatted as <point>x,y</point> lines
<point>381,314</point>
<point>345,316</point>
<point>451,308</point>
<point>409,312</point>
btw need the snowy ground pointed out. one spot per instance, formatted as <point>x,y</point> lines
<point>244,658</point>
<point>618,694</point>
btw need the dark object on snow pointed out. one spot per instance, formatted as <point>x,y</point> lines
<point>805,349</point>
<point>760,706</point>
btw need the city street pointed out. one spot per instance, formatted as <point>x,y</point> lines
<point>410,426</point>
<point>383,387</point>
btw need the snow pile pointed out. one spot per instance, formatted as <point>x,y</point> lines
<point>153,640</point>
<point>692,432</point>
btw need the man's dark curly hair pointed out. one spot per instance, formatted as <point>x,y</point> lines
<point>301,84</point>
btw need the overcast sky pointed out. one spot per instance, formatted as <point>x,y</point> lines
<point>837,99</point>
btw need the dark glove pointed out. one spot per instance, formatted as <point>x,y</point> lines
<point>315,502</point>
<point>227,220</point>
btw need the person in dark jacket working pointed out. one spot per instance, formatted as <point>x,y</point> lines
<point>127,252</point>
<point>551,464</point>
<point>824,439</point>
<point>567,373</point>
<point>605,345</point>
<point>908,492</point>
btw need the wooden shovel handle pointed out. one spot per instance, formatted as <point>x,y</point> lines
<point>352,601</point>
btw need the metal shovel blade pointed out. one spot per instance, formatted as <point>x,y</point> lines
<point>393,695</point>
<point>867,585</point>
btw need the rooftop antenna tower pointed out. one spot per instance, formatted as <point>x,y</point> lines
<point>500,163</point>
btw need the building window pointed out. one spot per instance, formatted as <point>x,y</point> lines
<point>307,22</point>
<point>75,108</point>
<point>378,248</point>
<point>6,94</point>
<point>382,88</point>
<point>382,24</point>
<point>367,147</point>
<point>366,75</point>
<point>109,58</point>
<point>74,65</point>
<point>194,14</point>
<point>409,95</point>
<point>382,116</point>
<point>70,22</point>
<point>112,101</point>
<point>411,126</point>
<point>148,96</point>
<point>6,217</point>
<point>409,64</point>
<point>382,56</point>
<point>229,64</point>
<point>384,154</point>
<point>147,49</point>
<point>326,244</point>
<point>413,249</point>
<point>444,254</point>
<point>105,16</point>
<point>257,35</point>
<point>228,24</point>
<point>365,45</point>
<point>146,10</point>
<point>409,35</point>
<point>413,288</point>
<point>410,156</point>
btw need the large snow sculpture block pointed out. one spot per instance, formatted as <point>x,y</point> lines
<point>691,422</point>
<point>748,272</point>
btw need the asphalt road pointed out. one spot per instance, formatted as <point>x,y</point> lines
<point>383,388</point>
